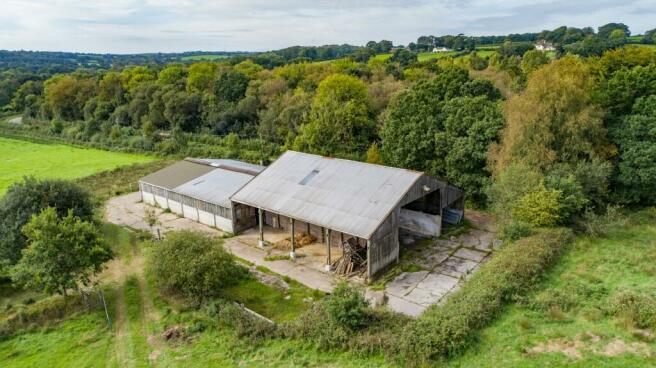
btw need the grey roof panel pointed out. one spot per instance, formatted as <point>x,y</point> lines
<point>234,165</point>
<point>215,187</point>
<point>348,196</point>
<point>177,174</point>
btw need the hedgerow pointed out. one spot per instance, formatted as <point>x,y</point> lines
<point>445,330</point>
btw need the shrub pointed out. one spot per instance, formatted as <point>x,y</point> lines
<point>193,265</point>
<point>539,208</point>
<point>595,224</point>
<point>317,326</point>
<point>515,230</point>
<point>30,197</point>
<point>640,308</point>
<point>347,306</point>
<point>244,324</point>
<point>444,330</point>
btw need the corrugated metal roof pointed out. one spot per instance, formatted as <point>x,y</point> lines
<point>177,174</point>
<point>234,165</point>
<point>347,196</point>
<point>215,187</point>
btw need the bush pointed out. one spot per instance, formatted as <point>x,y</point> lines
<point>30,197</point>
<point>317,326</point>
<point>595,224</point>
<point>193,265</point>
<point>515,230</point>
<point>244,324</point>
<point>347,306</point>
<point>444,330</point>
<point>539,208</point>
<point>639,307</point>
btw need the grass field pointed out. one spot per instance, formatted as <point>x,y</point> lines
<point>22,158</point>
<point>203,57</point>
<point>139,315</point>
<point>578,332</point>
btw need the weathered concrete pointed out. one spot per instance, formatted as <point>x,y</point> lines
<point>447,264</point>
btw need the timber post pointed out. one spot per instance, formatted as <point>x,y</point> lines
<point>260,218</point>
<point>327,236</point>
<point>292,254</point>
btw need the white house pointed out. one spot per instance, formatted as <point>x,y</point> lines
<point>544,46</point>
<point>441,49</point>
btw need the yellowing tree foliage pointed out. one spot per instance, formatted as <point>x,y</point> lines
<point>553,120</point>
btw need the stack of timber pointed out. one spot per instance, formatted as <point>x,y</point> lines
<point>353,260</point>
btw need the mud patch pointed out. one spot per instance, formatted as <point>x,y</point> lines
<point>590,343</point>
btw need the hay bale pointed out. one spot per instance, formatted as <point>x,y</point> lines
<point>302,239</point>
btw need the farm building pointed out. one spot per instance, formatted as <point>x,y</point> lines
<point>200,189</point>
<point>347,202</point>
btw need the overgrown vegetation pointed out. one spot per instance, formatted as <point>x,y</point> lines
<point>193,265</point>
<point>445,330</point>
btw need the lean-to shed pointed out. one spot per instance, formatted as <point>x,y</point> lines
<point>200,189</point>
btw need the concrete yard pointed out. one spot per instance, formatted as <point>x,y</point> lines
<point>445,263</point>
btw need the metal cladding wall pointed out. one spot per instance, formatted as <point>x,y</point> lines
<point>384,243</point>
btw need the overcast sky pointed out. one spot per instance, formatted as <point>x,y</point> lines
<point>130,26</point>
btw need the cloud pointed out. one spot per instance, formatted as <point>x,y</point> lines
<point>127,26</point>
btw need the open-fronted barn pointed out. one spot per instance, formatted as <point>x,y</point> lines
<point>200,189</point>
<point>339,200</point>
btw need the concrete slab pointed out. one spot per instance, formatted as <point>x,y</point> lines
<point>474,255</point>
<point>455,267</point>
<point>437,283</point>
<point>424,297</point>
<point>403,306</point>
<point>404,283</point>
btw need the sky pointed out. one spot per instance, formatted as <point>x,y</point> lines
<point>131,26</point>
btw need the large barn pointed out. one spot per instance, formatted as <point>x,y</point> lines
<point>200,189</point>
<point>337,200</point>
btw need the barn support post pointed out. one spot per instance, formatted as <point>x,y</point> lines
<point>308,228</point>
<point>140,192</point>
<point>368,260</point>
<point>328,261</point>
<point>292,254</point>
<point>197,210</point>
<point>167,199</point>
<point>260,218</point>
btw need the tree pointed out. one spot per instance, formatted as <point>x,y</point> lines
<point>470,126</point>
<point>533,60</point>
<point>554,119</point>
<point>649,37</point>
<point>182,109</point>
<point>403,57</point>
<point>28,198</point>
<point>62,253</point>
<point>201,76</point>
<point>66,96</point>
<point>636,139</point>
<point>416,115</point>
<point>193,265</point>
<point>173,74</point>
<point>606,31</point>
<point>231,86</point>
<point>339,118</point>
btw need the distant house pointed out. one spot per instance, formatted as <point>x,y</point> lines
<point>441,49</point>
<point>543,45</point>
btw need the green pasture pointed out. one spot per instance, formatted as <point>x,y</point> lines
<point>22,158</point>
